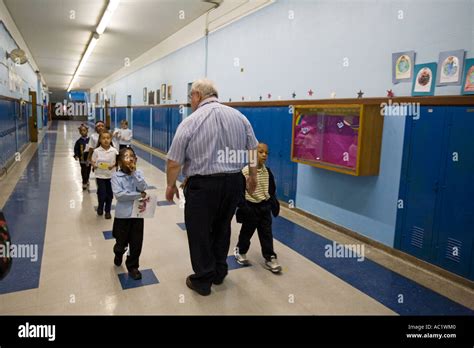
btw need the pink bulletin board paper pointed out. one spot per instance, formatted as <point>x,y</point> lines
<point>332,139</point>
<point>340,143</point>
<point>308,139</point>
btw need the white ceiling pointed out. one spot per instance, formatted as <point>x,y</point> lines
<point>57,41</point>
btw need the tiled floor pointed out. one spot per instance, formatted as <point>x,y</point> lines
<point>76,274</point>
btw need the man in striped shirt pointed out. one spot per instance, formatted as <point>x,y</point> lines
<point>209,146</point>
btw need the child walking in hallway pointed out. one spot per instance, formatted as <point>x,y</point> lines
<point>255,212</point>
<point>81,154</point>
<point>128,185</point>
<point>103,161</point>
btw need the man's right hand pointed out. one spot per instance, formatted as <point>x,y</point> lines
<point>171,191</point>
<point>251,184</point>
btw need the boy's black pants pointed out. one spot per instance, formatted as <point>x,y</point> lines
<point>257,216</point>
<point>85,172</point>
<point>128,232</point>
<point>104,194</point>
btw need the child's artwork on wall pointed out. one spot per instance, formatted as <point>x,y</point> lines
<point>424,79</point>
<point>402,66</point>
<point>450,65</point>
<point>468,79</point>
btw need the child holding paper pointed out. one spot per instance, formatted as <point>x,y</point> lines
<point>103,161</point>
<point>128,185</point>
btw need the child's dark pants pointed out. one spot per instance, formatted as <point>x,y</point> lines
<point>104,194</point>
<point>85,172</point>
<point>257,216</point>
<point>128,232</point>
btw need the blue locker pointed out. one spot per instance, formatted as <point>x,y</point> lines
<point>454,247</point>
<point>272,125</point>
<point>174,120</point>
<point>121,115</point>
<point>160,116</point>
<point>436,223</point>
<point>422,181</point>
<point>141,124</point>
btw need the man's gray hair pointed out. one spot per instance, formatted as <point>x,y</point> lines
<point>205,87</point>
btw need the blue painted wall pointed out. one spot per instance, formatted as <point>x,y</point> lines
<point>295,45</point>
<point>13,130</point>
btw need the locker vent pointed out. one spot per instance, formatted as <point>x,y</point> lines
<point>417,234</point>
<point>453,250</point>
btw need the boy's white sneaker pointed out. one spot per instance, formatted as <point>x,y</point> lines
<point>273,265</point>
<point>240,258</point>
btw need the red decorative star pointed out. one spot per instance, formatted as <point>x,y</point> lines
<point>310,92</point>
<point>390,93</point>
<point>269,96</point>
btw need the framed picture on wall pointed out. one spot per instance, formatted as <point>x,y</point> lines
<point>424,79</point>
<point>450,64</point>
<point>402,66</point>
<point>145,95</point>
<point>170,92</point>
<point>158,96</point>
<point>151,98</point>
<point>190,84</point>
<point>163,91</point>
<point>468,79</point>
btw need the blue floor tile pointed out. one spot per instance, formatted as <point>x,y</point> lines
<point>148,278</point>
<point>108,234</point>
<point>233,264</point>
<point>182,225</point>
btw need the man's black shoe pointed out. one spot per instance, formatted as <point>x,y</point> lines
<point>217,281</point>
<point>201,292</point>
<point>117,260</point>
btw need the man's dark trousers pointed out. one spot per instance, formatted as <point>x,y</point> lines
<point>211,202</point>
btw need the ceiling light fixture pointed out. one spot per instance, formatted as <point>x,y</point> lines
<point>104,21</point>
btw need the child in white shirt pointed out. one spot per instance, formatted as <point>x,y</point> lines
<point>104,161</point>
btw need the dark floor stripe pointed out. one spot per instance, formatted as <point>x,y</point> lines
<point>26,214</point>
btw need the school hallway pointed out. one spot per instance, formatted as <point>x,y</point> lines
<point>43,203</point>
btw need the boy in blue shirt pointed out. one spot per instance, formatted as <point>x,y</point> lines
<point>128,185</point>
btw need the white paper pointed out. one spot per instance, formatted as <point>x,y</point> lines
<point>144,207</point>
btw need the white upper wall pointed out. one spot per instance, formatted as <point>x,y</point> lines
<point>297,45</point>
<point>25,71</point>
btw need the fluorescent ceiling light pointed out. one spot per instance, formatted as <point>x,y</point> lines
<point>104,21</point>
<point>111,7</point>
<point>84,59</point>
